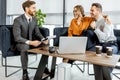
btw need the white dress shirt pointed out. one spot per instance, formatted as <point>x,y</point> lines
<point>104,31</point>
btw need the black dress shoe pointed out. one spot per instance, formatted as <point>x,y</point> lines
<point>46,71</point>
<point>45,79</point>
<point>117,67</point>
<point>25,76</point>
<point>52,75</point>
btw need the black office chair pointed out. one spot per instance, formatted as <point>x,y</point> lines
<point>63,31</point>
<point>8,47</point>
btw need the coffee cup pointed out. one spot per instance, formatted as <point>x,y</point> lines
<point>98,50</point>
<point>109,51</point>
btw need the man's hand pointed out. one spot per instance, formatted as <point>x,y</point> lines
<point>93,25</point>
<point>45,42</point>
<point>107,20</point>
<point>35,43</point>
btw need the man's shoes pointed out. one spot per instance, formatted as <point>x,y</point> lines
<point>25,77</point>
<point>46,71</point>
<point>45,79</point>
<point>117,67</point>
<point>52,75</point>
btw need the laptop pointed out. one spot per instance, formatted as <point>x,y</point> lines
<point>72,45</point>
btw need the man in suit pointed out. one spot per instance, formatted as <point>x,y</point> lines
<point>103,28</point>
<point>24,28</point>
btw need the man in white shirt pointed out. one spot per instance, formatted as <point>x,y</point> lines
<point>104,31</point>
<point>103,28</point>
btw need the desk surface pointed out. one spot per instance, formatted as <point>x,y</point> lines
<point>89,56</point>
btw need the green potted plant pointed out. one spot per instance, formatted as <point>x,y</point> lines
<point>40,17</point>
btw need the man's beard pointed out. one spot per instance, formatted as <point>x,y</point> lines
<point>31,13</point>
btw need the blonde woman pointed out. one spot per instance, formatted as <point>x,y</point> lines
<point>78,24</point>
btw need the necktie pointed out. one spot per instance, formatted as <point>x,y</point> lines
<point>29,20</point>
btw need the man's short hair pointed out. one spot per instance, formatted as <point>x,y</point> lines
<point>98,5</point>
<point>27,4</point>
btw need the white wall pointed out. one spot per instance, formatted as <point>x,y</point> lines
<point>55,6</point>
<point>108,5</point>
<point>54,9</point>
<point>110,8</point>
<point>47,6</point>
<point>14,7</point>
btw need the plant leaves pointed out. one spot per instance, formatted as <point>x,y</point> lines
<point>40,17</point>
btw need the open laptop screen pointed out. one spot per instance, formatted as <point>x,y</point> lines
<point>72,45</point>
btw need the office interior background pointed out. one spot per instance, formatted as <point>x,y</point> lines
<point>58,12</point>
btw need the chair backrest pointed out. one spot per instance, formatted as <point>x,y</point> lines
<point>44,31</point>
<point>59,31</point>
<point>8,43</point>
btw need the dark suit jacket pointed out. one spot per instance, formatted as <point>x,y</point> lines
<point>20,32</point>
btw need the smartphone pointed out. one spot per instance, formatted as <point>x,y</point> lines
<point>48,38</point>
<point>44,39</point>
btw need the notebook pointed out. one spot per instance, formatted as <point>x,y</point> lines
<point>72,45</point>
